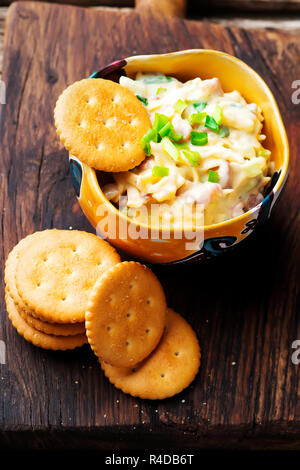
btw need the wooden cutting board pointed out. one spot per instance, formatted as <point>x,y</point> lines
<point>245,308</point>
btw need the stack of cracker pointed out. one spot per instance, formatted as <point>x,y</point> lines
<point>64,288</point>
<point>48,277</point>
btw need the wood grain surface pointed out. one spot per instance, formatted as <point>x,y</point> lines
<point>287,20</point>
<point>245,308</point>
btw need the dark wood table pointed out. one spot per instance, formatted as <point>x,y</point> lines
<point>245,307</point>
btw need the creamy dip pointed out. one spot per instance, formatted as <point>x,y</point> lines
<point>204,153</point>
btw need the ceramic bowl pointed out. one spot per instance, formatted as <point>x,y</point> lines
<point>216,239</point>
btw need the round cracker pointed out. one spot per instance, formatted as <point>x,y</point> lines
<point>10,269</point>
<point>42,340</point>
<point>125,318</point>
<point>67,329</point>
<point>11,264</point>
<point>170,368</point>
<point>101,123</point>
<point>57,272</point>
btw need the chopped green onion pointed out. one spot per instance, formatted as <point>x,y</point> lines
<point>146,139</point>
<point>200,106</point>
<point>159,90</point>
<point>210,123</point>
<point>224,131</point>
<point>175,137</point>
<point>151,79</point>
<point>160,171</point>
<point>213,176</point>
<point>181,146</point>
<point>197,118</point>
<point>236,105</point>
<point>217,114</point>
<point>142,99</point>
<point>193,157</point>
<point>160,120</point>
<point>180,106</point>
<point>170,148</point>
<point>164,127</point>
<point>165,130</point>
<point>264,153</point>
<point>150,135</point>
<point>199,138</point>
<point>146,147</point>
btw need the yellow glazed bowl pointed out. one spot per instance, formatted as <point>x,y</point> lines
<point>139,241</point>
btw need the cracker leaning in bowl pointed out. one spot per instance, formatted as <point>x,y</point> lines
<point>102,123</point>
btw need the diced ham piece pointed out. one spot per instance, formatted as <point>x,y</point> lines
<point>181,126</point>
<point>213,87</point>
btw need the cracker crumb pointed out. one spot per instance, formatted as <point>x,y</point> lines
<point>76,381</point>
<point>233,363</point>
<point>70,228</point>
<point>182,401</point>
